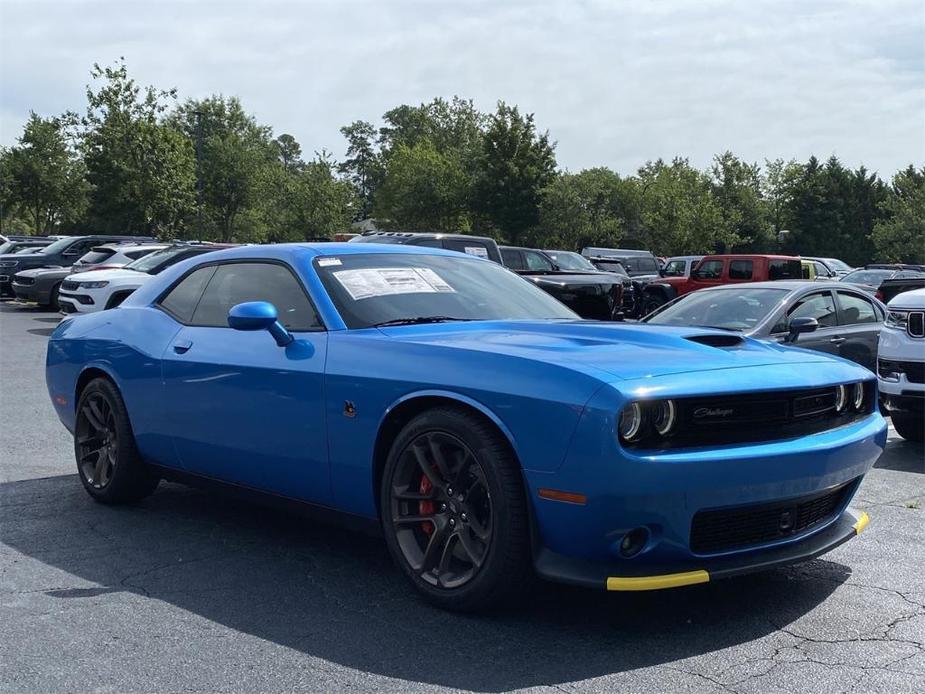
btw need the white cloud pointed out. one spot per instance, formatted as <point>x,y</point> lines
<point>615,83</point>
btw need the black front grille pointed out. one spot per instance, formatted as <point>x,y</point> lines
<point>916,324</point>
<point>23,281</point>
<point>724,530</point>
<point>751,417</point>
<point>70,285</point>
<point>914,370</point>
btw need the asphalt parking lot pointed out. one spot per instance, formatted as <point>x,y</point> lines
<point>196,592</point>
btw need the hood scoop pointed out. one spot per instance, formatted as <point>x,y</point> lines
<point>719,341</point>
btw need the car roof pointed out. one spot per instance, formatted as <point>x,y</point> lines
<point>682,257</point>
<point>327,249</point>
<point>366,236</point>
<point>599,252</point>
<point>789,285</point>
<point>129,246</point>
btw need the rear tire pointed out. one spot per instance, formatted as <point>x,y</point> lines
<point>650,302</point>
<point>909,425</point>
<point>463,549</point>
<point>53,298</point>
<point>108,462</point>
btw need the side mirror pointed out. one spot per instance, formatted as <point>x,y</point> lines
<point>259,315</point>
<point>798,326</point>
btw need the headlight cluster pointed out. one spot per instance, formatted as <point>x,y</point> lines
<point>849,398</point>
<point>9,263</point>
<point>641,418</point>
<point>94,285</point>
<point>897,319</point>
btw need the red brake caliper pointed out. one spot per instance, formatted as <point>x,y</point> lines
<point>426,508</point>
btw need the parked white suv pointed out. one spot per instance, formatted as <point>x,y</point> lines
<point>901,364</point>
<point>104,289</point>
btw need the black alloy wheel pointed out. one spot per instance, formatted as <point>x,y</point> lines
<point>97,440</point>
<point>454,511</point>
<point>441,509</point>
<point>108,462</point>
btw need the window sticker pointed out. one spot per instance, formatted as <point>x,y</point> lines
<point>367,283</point>
<point>328,262</point>
<point>479,251</point>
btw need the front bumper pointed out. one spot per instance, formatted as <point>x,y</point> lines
<point>76,303</point>
<point>31,293</point>
<point>599,575</point>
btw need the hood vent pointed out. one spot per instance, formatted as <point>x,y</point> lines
<point>717,340</point>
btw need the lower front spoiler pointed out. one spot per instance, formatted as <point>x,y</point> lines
<point>557,567</point>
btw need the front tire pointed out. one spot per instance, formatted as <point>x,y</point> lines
<point>650,303</point>
<point>910,426</point>
<point>108,462</point>
<point>454,511</point>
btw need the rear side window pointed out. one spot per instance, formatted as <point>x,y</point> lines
<point>513,259</point>
<point>856,309</point>
<point>818,306</point>
<point>785,270</point>
<point>476,248</point>
<point>675,268</point>
<point>740,270</point>
<point>140,253</point>
<point>182,299</point>
<point>235,283</point>
<point>97,255</point>
<point>710,270</point>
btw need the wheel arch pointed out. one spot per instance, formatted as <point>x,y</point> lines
<point>406,408</point>
<point>89,373</point>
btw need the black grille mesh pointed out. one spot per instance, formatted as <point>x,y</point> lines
<point>722,530</point>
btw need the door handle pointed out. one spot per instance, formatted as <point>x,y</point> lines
<point>837,340</point>
<point>182,346</point>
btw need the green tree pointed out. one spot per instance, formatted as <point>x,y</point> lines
<point>900,236</point>
<point>591,208</point>
<point>310,202</point>
<point>679,213</point>
<point>236,152</point>
<point>363,165</point>
<point>289,152</point>
<point>425,190</point>
<point>515,164</point>
<point>744,212</point>
<point>141,169</point>
<point>43,177</point>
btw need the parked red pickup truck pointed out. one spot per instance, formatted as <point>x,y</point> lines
<point>721,269</point>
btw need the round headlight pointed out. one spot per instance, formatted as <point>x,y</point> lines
<point>857,396</point>
<point>663,416</point>
<point>841,398</point>
<point>631,422</point>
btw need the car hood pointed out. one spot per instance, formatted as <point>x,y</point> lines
<point>43,271</point>
<point>914,299</point>
<point>626,351</point>
<point>113,274</point>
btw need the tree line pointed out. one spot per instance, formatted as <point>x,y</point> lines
<point>128,164</point>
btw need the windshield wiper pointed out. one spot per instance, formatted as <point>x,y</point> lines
<point>418,320</point>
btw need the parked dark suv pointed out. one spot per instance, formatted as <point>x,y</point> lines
<point>480,246</point>
<point>62,253</point>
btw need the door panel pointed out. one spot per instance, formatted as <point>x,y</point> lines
<point>244,410</point>
<point>860,323</point>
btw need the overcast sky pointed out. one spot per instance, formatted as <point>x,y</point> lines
<point>615,83</point>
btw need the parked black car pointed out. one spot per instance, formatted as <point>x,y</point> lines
<point>640,266</point>
<point>871,277</point>
<point>62,253</point>
<point>904,283</point>
<point>572,261</point>
<point>589,293</point>
<point>480,246</point>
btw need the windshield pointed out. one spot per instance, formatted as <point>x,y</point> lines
<point>868,276</point>
<point>837,265</point>
<point>742,309</point>
<point>57,246</point>
<point>567,260</point>
<point>370,289</point>
<point>611,266</point>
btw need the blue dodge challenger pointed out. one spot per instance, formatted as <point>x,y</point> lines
<point>488,431</point>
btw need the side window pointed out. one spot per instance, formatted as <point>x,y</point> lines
<point>535,261</point>
<point>785,270</point>
<point>820,306</point>
<point>740,270</point>
<point>710,270</point>
<point>429,243</point>
<point>235,283</point>
<point>182,299</point>
<point>674,269</point>
<point>821,270</point>
<point>856,309</point>
<point>476,248</point>
<point>79,248</point>
<point>141,252</point>
<point>513,259</point>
